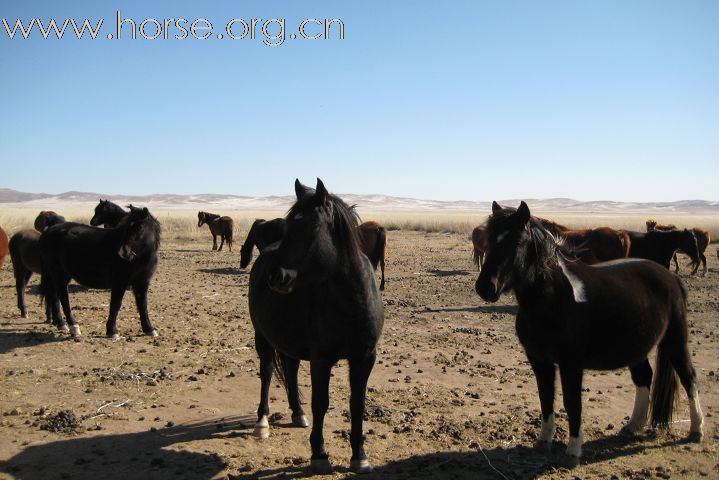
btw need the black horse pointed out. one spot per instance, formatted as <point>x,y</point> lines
<point>113,258</point>
<point>25,254</point>
<point>313,296</point>
<point>660,245</point>
<point>606,316</point>
<point>107,214</point>
<point>262,234</point>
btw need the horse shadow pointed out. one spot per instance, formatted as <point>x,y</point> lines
<point>71,288</point>
<point>492,308</point>
<point>449,273</point>
<point>223,271</point>
<point>129,456</point>
<point>518,461</point>
<point>11,340</point>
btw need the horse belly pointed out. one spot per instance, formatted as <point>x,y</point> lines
<point>90,272</point>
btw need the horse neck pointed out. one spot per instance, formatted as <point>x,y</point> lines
<point>535,285</point>
<point>209,217</point>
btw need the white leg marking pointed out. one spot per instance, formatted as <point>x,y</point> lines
<point>548,429</point>
<point>695,412</point>
<point>262,428</point>
<point>641,408</point>
<point>580,294</point>
<point>75,331</point>
<point>574,448</point>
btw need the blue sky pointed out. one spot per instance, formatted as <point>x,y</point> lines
<point>472,100</point>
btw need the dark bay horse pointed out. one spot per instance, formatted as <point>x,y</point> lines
<point>703,240</point>
<point>479,245</point>
<point>113,258</point>
<point>313,296</point>
<point>660,246</point>
<point>222,226</point>
<point>4,247</point>
<point>592,245</point>
<point>577,317</point>
<point>107,214</point>
<point>373,241</point>
<point>262,234</point>
<point>47,218</point>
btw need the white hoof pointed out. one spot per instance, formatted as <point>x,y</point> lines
<point>75,331</point>
<point>361,466</point>
<point>26,316</point>
<point>262,428</point>
<point>153,334</point>
<point>300,421</point>
<point>114,337</point>
<point>64,328</point>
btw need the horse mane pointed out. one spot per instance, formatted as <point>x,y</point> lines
<point>149,222</point>
<point>551,225</point>
<point>345,221</point>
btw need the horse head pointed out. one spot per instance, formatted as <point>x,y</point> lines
<point>141,234</point>
<point>201,219</point>
<point>506,228</point>
<point>689,244</point>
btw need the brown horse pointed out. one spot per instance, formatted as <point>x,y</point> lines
<point>593,245</point>
<point>221,226</point>
<point>47,218</point>
<point>3,246</point>
<point>479,245</point>
<point>373,242</point>
<point>703,241</point>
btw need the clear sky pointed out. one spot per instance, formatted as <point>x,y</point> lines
<point>465,100</point>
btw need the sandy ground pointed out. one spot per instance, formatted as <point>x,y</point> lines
<point>452,395</point>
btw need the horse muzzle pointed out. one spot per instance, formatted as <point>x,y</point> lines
<point>487,288</point>
<point>94,222</point>
<point>282,280</point>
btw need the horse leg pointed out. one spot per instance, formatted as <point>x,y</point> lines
<point>140,292</point>
<point>222,242</point>
<point>676,263</point>
<point>64,297</point>
<point>214,242</point>
<point>642,378</point>
<point>481,261</point>
<point>360,370</point>
<point>320,373</point>
<point>681,361</point>
<point>381,266</point>
<point>544,373</point>
<point>267,360</point>
<point>21,279</point>
<point>290,366</point>
<point>118,291</point>
<point>571,376</point>
<point>703,259</point>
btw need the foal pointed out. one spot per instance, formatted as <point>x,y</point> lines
<point>601,317</point>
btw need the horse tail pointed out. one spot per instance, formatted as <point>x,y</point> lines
<point>380,247</point>
<point>664,389</point>
<point>280,369</point>
<point>626,243</point>
<point>228,233</point>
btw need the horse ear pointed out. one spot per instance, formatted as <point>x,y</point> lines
<point>495,207</point>
<point>523,213</point>
<point>300,190</point>
<point>320,191</point>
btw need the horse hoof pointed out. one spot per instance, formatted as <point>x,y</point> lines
<point>570,461</point>
<point>361,466</point>
<point>63,328</point>
<point>695,437</point>
<point>26,316</point>
<point>114,337</point>
<point>300,421</point>
<point>543,446</point>
<point>153,333</point>
<point>321,466</point>
<point>75,331</point>
<point>261,432</point>
<point>628,433</point>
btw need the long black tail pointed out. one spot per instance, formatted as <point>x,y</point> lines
<point>379,247</point>
<point>279,369</point>
<point>664,389</point>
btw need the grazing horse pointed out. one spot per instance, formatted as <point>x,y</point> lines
<point>3,246</point>
<point>262,234</point>
<point>703,241</point>
<point>479,245</point>
<point>107,214</point>
<point>221,226</point>
<point>47,218</point>
<point>660,245</point>
<point>373,241</point>
<point>313,296</point>
<point>113,258</point>
<point>599,317</point>
<point>592,245</point>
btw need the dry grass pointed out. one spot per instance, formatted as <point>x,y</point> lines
<point>182,225</point>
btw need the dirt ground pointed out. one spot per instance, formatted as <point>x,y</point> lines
<point>451,396</point>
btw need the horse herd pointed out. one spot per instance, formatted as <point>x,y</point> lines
<point>582,304</point>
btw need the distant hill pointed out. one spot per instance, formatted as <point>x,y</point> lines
<point>380,203</point>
